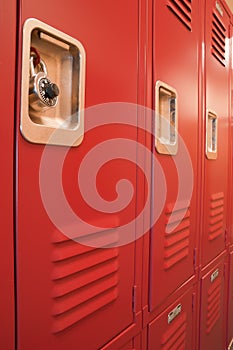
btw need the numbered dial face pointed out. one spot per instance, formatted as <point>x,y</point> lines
<point>48,92</point>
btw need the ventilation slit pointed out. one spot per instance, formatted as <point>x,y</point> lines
<point>216,222</point>
<point>182,9</point>
<point>84,279</point>
<point>177,235</point>
<point>218,42</point>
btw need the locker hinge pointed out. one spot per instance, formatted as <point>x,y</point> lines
<point>226,237</point>
<point>195,258</point>
<point>134,297</point>
<point>224,270</point>
<point>193,302</point>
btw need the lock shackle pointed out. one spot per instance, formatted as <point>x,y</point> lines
<point>36,55</point>
<point>41,65</point>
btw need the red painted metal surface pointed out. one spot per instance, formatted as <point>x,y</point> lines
<point>70,295</point>
<point>145,63</point>
<point>134,344</point>
<point>230,185</point>
<point>7,91</point>
<point>230,301</point>
<point>217,25</point>
<point>213,296</point>
<point>168,331</point>
<point>175,62</point>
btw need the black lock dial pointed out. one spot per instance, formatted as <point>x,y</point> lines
<point>51,90</point>
<point>48,91</point>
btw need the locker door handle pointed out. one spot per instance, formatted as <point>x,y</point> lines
<point>166,119</point>
<point>53,63</point>
<point>211,134</point>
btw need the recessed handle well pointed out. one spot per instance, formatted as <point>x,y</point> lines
<point>166,121</point>
<point>211,134</point>
<point>45,117</point>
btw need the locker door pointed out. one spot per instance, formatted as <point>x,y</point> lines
<point>212,327</point>
<point>216,169</point>
<point>230,303</point>
<point>7,92</point>
<point>134,344</point>
<point>230,216</point>
<point>71,295</point>
<point>174,327</point>
<point>175,65</point>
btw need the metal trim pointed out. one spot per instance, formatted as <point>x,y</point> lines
<point>162,146</point>
<point>32,131</point>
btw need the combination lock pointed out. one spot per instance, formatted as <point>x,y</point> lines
<point>43,94</point>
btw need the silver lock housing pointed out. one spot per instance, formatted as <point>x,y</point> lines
<point>37,97</point>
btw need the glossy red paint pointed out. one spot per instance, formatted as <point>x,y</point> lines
<point>212,306</point>
<point>175,62</point>
<point>7,92</point>
<point>175,325</point>
<point>146,98</point>
<point>69,305</point>
<point>72,296</point>
<point>119,343</point>
<point>230,300</point>
<point>230,184</point>
<point>216,80</point>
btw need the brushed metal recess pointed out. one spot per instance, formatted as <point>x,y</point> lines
<point>211,134</point>
<point>166,119</point>
<point>65,60</point>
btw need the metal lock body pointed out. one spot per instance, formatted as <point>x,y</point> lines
<point>43,94</point>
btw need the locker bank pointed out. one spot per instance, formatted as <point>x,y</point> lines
<point>116,175</point>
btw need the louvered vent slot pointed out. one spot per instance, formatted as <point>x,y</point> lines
<point>218,43</point>
<point>176,241</point>
<point>216,221</point>
<point>182,9</point>
<point>213,305</point>
<point>85,279</point>
<point>175,337</point>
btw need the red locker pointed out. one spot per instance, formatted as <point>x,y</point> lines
<point>174,327</point>
<point>70,295</point>
<point>132,345</point>
<point>230,302</point>
<point>216,120</point>
<point>212,306</point>
<point>230,216</point>
<point>120,344</point>
<point>7,92</point>
<point>175,67</point>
